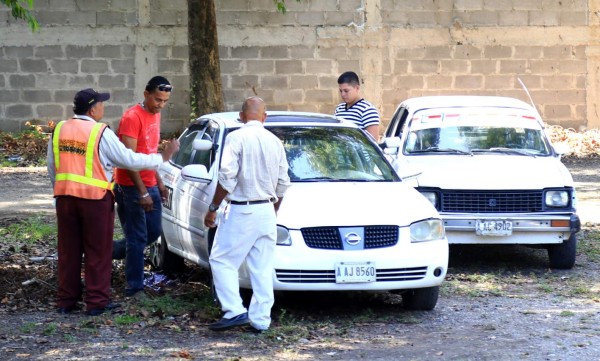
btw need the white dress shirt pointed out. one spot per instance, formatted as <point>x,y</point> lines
<point>253,166</point>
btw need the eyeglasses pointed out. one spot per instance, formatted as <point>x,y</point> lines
<point>162,87</point>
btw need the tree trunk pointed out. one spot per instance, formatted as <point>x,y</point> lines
<point>205,73</point>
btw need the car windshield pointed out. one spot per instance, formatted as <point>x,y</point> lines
<point>336,154</point>
<point>476,135</point>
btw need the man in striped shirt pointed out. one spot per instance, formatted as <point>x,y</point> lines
<point>355,108</point>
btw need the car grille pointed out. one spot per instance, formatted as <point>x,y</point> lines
<point>328,276</point>
<point>330,237</point>
<point>491,201</point>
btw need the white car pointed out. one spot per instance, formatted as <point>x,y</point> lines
<point>490,170</point>
<point>339,226</point>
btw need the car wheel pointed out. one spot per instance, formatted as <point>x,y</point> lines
<point>421,299</point>
<point>164,260</point>
<point>562,256</point>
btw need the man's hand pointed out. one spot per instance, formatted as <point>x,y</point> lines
<point>146,203</point>
<point>210,219</point>
<point>170,149</point>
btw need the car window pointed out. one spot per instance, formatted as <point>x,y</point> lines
<point>475,133</point>
<point>397,123</point>
<point>187,154</point>
<point>332,153</point>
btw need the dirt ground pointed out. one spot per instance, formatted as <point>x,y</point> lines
<point>498,303</point>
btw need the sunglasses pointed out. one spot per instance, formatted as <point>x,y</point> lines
<point>161,87</point>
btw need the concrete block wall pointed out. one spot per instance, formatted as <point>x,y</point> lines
<point>406,48</point>
<point>114,46</point>
<point>400,48</point>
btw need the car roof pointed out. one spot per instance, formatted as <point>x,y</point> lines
<point>460,101</point>
<point>285,118</point>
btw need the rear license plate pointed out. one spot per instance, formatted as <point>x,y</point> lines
<point>355,272</point>
<point>497,227</point>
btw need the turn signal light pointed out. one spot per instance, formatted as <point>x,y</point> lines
<point>560,223</point>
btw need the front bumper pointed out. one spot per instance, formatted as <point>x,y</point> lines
<point>527,228</point>
<point>405,265</point>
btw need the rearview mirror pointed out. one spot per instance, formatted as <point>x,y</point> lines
<point>195,173</point>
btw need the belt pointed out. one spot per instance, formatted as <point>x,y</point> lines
<point>247,203</point>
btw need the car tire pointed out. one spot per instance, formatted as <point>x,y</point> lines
<point>421,299</point>
<point>562,256</point>
<point>164,260</point>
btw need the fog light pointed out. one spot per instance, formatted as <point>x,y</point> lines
<point>437,272</point>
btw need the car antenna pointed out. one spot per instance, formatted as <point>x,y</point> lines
<point>529,95</point>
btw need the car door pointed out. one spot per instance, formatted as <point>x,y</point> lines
<point>189,200</point>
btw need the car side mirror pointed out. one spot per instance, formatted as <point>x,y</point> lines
<point>391,145</point>
<point>202,144</point>
<point>196,173</point>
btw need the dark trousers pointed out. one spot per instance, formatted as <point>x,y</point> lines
<point>85,227</point>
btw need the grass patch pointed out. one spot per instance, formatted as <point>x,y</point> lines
<point>29,231</point>
<point>589,244</point>
<point>126,320</point>
<point>27,327</point>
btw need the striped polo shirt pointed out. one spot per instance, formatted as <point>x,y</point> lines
<point>362,113</point>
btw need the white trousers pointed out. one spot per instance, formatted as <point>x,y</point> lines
<point>245,233</point>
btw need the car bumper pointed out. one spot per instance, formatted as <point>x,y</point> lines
<point>527,228</point>
<point>403,266</point>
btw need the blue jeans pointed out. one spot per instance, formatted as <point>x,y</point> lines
<point>141,229</point>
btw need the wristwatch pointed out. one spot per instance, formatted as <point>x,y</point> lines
<point>213,207</point>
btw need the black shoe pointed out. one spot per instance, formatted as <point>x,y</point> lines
<point>253,329</point>
<point>227,323</point>
<point>98,311</point>
<point>67,310</point>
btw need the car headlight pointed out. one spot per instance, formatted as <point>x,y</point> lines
<point>431,197</point>
<point>557,198</point>
<point>283,236</point>
<point>427,230</point>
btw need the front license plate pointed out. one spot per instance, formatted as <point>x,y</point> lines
<point>355,272</point>
<point>498,227</point>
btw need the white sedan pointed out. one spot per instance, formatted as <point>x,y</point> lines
<point>490,170</point>
<point>340,226</point>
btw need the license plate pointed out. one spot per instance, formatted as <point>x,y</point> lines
<point>355,272</point>
<point>498,227</point>
<point>167,202</point>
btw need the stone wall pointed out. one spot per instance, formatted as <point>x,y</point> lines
<point>400,48</point>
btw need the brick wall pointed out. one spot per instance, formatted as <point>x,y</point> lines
<point>400,48</point>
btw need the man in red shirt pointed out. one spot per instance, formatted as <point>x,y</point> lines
<point>139,194</point>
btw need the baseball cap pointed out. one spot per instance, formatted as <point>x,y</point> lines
<point>84,99</point>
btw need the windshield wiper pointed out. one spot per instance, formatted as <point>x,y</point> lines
<point>441,150</point>
<point>330,179</point>
<point>505,150</point>
<point>315,179</point>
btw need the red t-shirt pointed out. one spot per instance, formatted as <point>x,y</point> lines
<point>144,126</point>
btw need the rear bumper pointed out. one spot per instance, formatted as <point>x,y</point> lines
<point>527,228</point>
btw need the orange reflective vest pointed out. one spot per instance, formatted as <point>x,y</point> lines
<point>79,172</point>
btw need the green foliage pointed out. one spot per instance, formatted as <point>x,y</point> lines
<point>50,329</point>
<point>281,5</point>
<point>20,9</point>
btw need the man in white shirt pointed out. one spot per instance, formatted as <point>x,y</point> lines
<point>253,178</point>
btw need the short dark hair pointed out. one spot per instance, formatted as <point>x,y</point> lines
<point>349,77</point>
<point>156,82</point>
